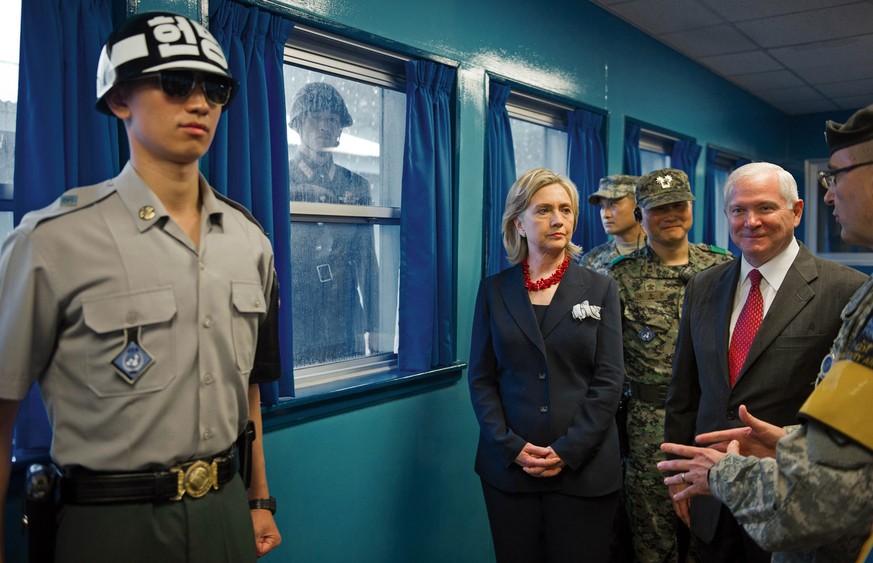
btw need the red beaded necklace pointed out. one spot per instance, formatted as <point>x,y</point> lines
<point>543,283</point>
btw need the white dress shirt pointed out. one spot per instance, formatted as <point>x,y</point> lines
<point>773,274</point>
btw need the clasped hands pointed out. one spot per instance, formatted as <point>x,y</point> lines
<point>538,461</point>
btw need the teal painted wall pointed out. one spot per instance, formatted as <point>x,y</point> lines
<point>393,482</point>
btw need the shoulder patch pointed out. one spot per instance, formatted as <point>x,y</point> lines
<point>717,249</point>
<point>619,258</point>
<point>70,201</point>
<point>241,208</point>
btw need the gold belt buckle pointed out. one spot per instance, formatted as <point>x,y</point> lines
<point>196,479</point>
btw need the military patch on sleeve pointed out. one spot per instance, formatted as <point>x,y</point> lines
<point>861,348</point>
<point>646,334</point>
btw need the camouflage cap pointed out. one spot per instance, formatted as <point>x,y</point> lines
<point>615,186</point>
<point>661,187</point>
<point>858,129</point>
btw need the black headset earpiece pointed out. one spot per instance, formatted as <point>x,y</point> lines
<point>638,215</point>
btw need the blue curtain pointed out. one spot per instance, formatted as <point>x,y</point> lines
<point>248,160</point>
<point>499,175</point>
<point>61,141</point>
<point>684,157</point>
<point>586,165</point>
<point>632,164</point>
<point>709,199</point>
<point>426,304</point>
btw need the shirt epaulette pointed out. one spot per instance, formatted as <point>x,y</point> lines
<point>716,249</point>
<point>241,208</point>
<point>70,201</point>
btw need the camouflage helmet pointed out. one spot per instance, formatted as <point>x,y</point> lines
<point>318,96</point>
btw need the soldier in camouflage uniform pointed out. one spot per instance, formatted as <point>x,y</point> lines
<point>615,196</point>
<point>651,284</point>
<point>806,495</point>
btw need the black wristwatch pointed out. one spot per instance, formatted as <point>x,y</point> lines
<point>264,503</point>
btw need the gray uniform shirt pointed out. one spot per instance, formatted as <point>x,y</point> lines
<point>103,265</point>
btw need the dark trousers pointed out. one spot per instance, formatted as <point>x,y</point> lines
<point>731,543</point>
<point>216,528</point>
<point>549,527</point>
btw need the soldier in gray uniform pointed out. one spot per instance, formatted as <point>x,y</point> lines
<point>804,492</point>
<point>336,277</point>
<point>617,202</point>
<point>651,283</point>
<point>138,305</point>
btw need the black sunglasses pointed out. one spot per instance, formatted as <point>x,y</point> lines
<point>179,84</point>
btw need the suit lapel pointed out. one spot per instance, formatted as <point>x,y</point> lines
<point>571,291</point>
<point>723,292</point>
<point>518,304</point>
<point>794,294</point>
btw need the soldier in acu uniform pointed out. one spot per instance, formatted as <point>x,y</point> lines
<point>143,307</point>
<point>615,197</point>
<point>651,284</point>
<point>805,495</point>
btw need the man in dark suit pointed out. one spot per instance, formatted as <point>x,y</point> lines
<point>763,354</point>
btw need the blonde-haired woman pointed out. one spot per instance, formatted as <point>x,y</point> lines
<point>545,378</point>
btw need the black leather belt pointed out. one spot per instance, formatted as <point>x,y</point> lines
<point>648,393</point>
<point>194,478</point>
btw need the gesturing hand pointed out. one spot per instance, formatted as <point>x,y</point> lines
<point>757,438</point>
<point>692,471</point>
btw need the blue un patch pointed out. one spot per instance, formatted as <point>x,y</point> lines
<point>646,335</point>
<point>826,364</point>
<point>132,362</point>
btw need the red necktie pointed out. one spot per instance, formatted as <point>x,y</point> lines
<point>746,327</point>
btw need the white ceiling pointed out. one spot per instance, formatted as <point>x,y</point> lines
<point>800,56</point>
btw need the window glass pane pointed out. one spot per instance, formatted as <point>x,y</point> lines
<point>342,137</point>
<point>7,147</point>
<point>722,236</point>
<point>10,23</point>
<point>344,283</point>
<point>5,225</point>
<point>651,161</point>
<point>828,231</point>
<point>538,146</point>
<point>345,141</point>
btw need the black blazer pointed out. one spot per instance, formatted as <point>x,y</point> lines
<point>781,366</point>
<point>557,387</point>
